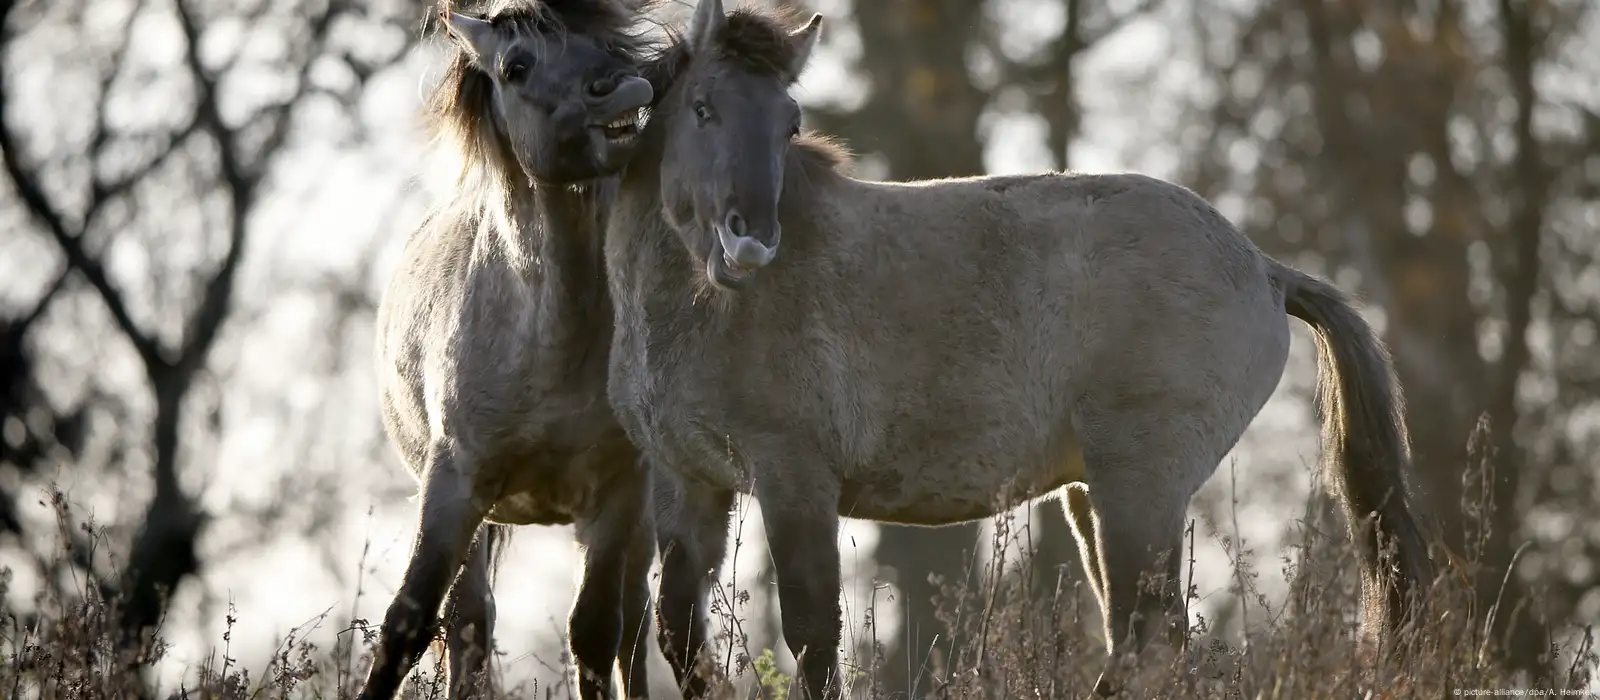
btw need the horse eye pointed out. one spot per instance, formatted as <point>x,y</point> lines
<point>515,69</point>
<point>702,112</point>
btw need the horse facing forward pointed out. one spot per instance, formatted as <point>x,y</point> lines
<point>493,334</point>
<point>934,352</point>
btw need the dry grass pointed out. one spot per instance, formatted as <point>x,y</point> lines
<point>1013,643</point>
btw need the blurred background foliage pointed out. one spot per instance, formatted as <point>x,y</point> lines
<point>201,199</point>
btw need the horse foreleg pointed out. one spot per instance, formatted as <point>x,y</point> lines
<point>1141,493</point>
<point>469,620</point>
<point>606,614</point>
<point>802,534</point>
<point>692,532</point>
<point>449,517</point>
<point>641,553</point>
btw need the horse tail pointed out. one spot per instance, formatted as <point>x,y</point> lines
<point>1365,450</point>
<point>495,538</point>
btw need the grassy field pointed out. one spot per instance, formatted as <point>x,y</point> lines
<point>1012,642</point>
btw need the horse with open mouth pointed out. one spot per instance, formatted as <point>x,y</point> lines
<point>493,336</point>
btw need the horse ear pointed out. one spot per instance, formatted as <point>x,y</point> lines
<point>804,39</point>
<point>478,36</point>
<point>708,18</point>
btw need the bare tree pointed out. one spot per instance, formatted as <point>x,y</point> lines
<point>149,214</point>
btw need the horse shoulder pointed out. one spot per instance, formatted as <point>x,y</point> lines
<point>405,319</point>
<point>452,326</point>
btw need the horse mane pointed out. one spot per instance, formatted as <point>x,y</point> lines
<point>459,110</point>
<point>823,152</point>
<point>758,40</point>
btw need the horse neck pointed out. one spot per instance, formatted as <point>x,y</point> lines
<point>554,236</point>
<point>802,206</point>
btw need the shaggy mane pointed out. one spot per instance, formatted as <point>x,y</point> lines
<point>759,40</point>
<point>822,151</point>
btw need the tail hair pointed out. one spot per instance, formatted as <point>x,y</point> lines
<point>496,537</point>
<point>1366,452</point>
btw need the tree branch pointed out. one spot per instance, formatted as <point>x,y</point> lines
<point>1076,36</point>
<point>102,192</point>
<point>101,132</point>
<point>207,112</point>
<point>20,326</point>
<point>26,183</point>
<point>1115,23</point>
<point>278,115</point>
<point>241,180</point>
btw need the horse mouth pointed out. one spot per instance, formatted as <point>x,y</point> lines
<point>622,130</point>
<point>723,271</point>
<point>734,270</point>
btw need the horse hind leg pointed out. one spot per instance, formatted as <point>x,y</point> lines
<point>612,605</point>
<point>1142,474</point>
<point>469,618</point>
<point>449,518</point>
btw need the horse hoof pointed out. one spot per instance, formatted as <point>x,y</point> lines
<point>1103,688</point>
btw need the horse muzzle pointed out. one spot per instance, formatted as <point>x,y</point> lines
<point>733,259</point>
<point>745,252</point>
<point>615,98</point>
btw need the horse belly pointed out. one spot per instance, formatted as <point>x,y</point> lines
<point>527,509</point>
<point>968,435</point>
<point>556,489</point>
<point>947,485</point>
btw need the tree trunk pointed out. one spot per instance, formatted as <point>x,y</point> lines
<point>164,552</point>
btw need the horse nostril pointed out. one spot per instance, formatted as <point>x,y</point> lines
<point>602,87</point>
<point>736,224</point>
